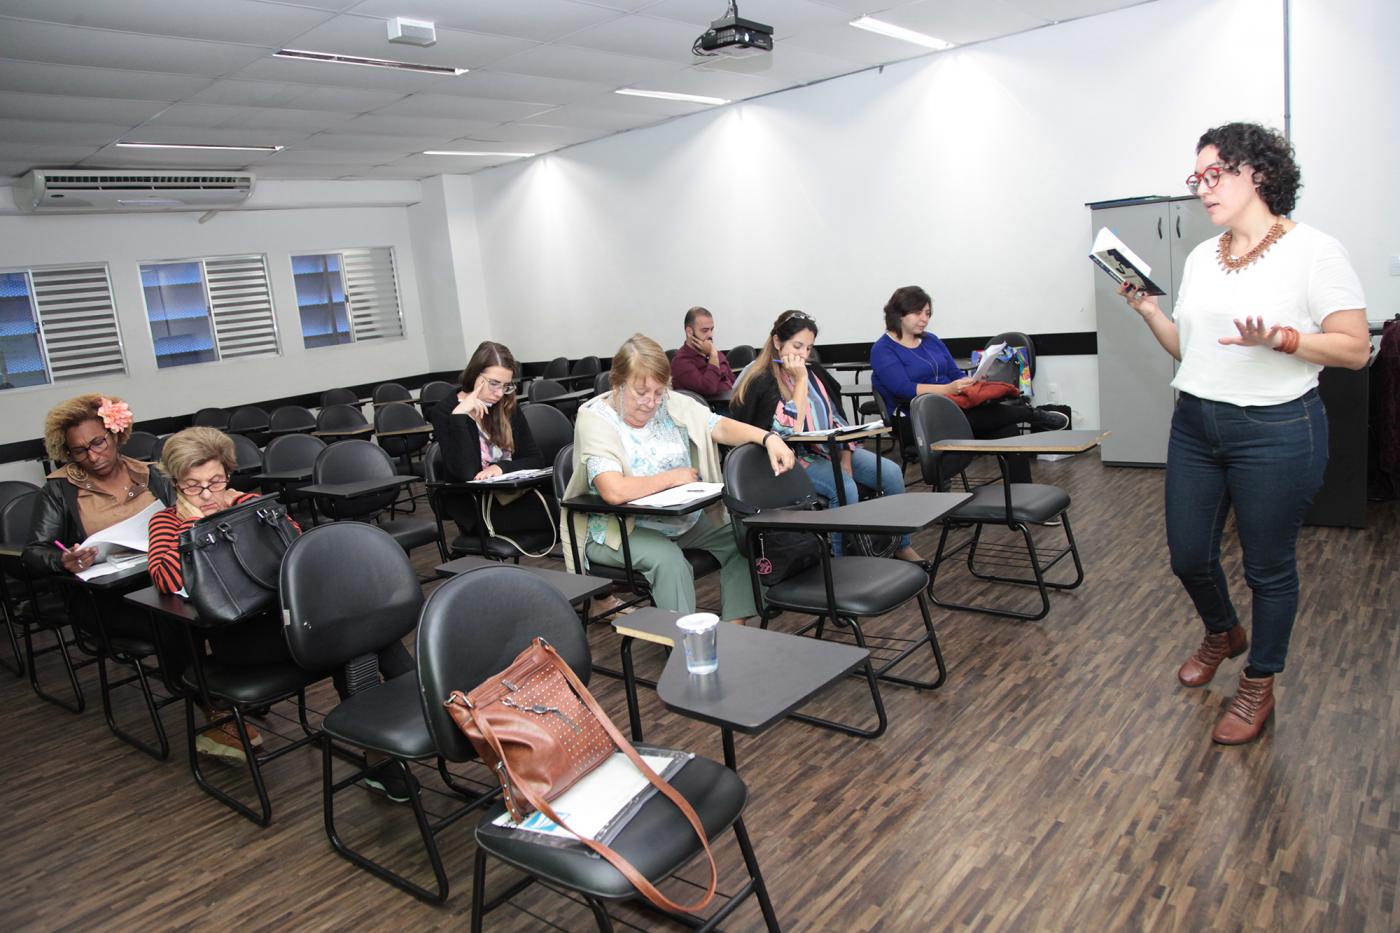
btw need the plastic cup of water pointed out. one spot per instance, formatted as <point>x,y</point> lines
<point>698,635</point>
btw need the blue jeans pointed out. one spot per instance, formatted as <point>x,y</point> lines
<point>863,467</point>
<point>1267,461</point>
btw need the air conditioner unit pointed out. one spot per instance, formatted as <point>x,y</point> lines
<point>57,190</point>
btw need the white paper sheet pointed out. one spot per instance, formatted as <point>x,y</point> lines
<point>989,356</point>
<point>679,495</point>
<point>590,805</point>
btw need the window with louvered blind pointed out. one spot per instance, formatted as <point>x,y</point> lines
<point>347,297</point>
<point>57,324</point>
<point>217,308</point>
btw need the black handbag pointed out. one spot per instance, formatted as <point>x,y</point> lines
<point>781,554</point>
<point>231,561</point>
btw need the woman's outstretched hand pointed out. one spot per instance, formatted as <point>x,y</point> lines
<point>1253,333</point>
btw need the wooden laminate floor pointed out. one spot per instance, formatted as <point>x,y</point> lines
<point>1060,780</point>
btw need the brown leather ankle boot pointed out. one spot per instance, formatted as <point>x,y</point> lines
<point>1215,647</point>
<point>1249,710</point>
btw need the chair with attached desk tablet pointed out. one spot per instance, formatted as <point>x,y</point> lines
<point>291,419</point>
<point>838,590</point>
<point>338,422</point>
<point>355,480</point>
<point>33,606</point>
<point>252,421</point>
<point>472,628</point>
<point>432,393</point>
<point>447,499</point>
<point>388,392</point>
<point>348,590</point>
<point>287,466</point>
<point>210,418</point>
<point>235,691</point>
<point>339,397</point>
<point>404,434</point>
<point>701,562</point>
<point>248,464</point>
<point>10,490</point>
<point>938,422</point>
<point>140,445</point>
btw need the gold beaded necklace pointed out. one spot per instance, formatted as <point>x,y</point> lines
<point>1231,264</point>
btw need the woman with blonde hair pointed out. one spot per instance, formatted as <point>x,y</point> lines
<point>640,438</point>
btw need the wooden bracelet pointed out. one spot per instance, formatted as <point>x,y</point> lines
<point>1291,339</point>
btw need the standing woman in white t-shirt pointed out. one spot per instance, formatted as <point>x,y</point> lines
<point>1260,311</point>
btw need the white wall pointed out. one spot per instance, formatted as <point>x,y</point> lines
<point>124,242</point>
<point>965,172</point>
<point>1346,131</point>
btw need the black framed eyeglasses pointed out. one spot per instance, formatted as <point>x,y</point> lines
<point>95,446</point>
<point>214,485</point>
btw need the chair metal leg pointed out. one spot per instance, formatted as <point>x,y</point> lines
<point>18,667</point>
<point>629,681</point>
<point>330,787</point>
<point>760,890</point>
<point>882,720</point>
<point>600,915</point>
<point>1037,579</point>
<point>61,647</point>
<point>262,816</point>
<point>478,889</point>
<point>160,753</point>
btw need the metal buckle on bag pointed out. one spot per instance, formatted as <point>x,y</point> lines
<point>226,531</point>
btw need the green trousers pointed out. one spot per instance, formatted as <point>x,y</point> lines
<point>659,559</point>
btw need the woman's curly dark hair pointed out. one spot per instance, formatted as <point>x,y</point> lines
<point>1267,152</point>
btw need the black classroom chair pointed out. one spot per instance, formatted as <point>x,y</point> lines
<point>291,419</point>
<point>445,498</point>
<point>348,590</point>
<point>432,393</point>
<point>141,445</point>
<point>211,418</point>
<point>11,490</point>
<point>840,591</point>
<point>292,452</point>
<point>1017,506</point>
<point>250,421</point>
<point>353,460</point>
<point>339,397</point>
<point>387,392</point>
<point>472,628</point>
<point>33,606</point>
<point>250,463</point>
<point>340,418</point>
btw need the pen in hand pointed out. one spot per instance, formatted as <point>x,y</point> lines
<point>59,544</point>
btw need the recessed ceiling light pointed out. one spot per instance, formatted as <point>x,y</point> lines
<point>872,24</point>
<point>671,95</point>
<point>472,152</point>
<point>127,145</point>
<point>335,59</point>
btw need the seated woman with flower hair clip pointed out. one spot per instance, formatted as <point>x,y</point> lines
<point>94,488</point>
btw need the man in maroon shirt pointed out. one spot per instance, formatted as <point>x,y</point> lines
<point>698,366</point>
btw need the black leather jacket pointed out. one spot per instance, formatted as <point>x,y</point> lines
<point>56,519</point>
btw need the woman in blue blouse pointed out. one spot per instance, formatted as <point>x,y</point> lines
<point>907,361</point>
<point>781,391</point>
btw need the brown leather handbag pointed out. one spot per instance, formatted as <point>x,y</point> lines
<point>539,729</point>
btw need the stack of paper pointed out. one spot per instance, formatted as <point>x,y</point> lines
<point>679,495</point>
<point>122,546</point>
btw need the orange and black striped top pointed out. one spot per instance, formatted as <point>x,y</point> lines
<point>163,559</point>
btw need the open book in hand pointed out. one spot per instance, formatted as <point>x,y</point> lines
<point>1123,265</point>
<point>122,545</point>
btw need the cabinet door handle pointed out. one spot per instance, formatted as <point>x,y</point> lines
<point>1178,226</point>
<point>1159,228</point>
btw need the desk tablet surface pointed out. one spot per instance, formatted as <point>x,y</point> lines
<point>1046,442</point>
<point>905,512</point>
<point>762,676</point>
<point>167,604</point>
<point>362,487</point>
<point>595,503</point>
<point>575,587</point>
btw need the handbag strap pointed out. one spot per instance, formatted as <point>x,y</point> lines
<point>634,877</point>
<point>489,500</point>
<point>278,524</point>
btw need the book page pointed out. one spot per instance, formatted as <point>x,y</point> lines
<point>590,805</point>
<point>989,356</point>
<point>132,534</point>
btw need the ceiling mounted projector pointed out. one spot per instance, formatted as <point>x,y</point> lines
<point>734,37</point>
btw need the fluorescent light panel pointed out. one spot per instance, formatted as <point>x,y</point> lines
<point>468,152</point>
<point>871,24</point>
<point>207,146</point>
<point>338,59</point>
<point>671,95</point>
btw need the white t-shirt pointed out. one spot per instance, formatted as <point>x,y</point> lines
<point>1301,279</point>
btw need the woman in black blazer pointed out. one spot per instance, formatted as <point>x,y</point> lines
<point>482,433</point>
